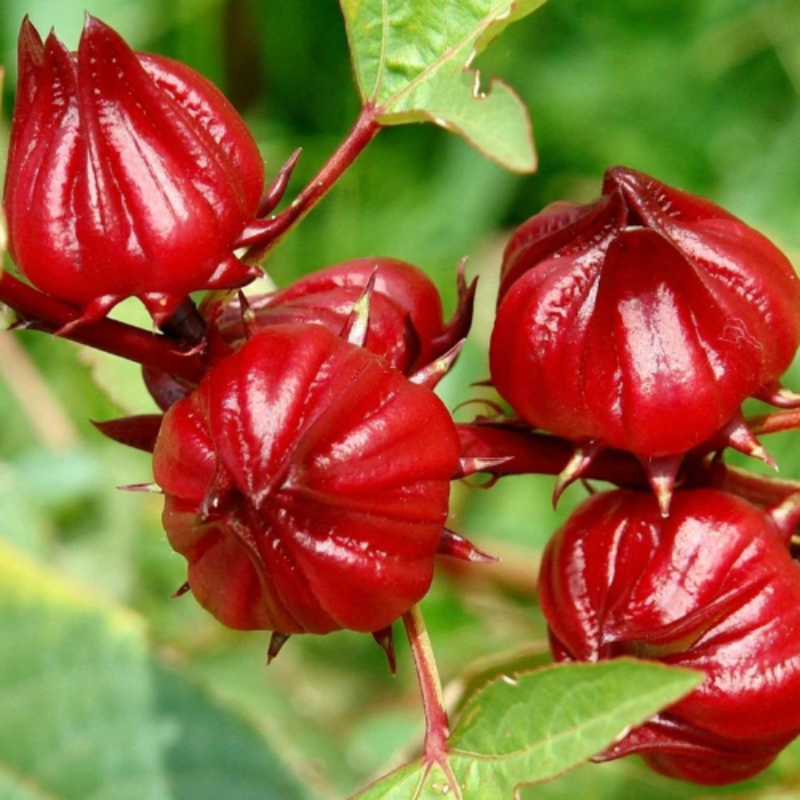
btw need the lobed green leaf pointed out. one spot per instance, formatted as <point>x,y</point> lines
<point>413,63</point>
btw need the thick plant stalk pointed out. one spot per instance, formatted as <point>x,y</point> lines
<point>437,724</point>
<point>44,313</point>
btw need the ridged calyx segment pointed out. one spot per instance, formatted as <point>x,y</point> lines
<point>713,588</point>
<point>642,321</point>
<point>406,323</point>
<point>298,486</point>
<point>129,175</point>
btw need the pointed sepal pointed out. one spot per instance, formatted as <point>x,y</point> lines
<point>385,640</point>
<point>786,516</point>
<point>430,375</point>
<point>139,432</point>
<point>180,591</point>
<point>454,545</point>
<point>469,465</point>
<point>582,458</point>
<point>146,488</point>
<point>779,396</point>
<point>276,643</point>
<point>249,322</point>
<point>357,326</point>
<point>460,323</point>
<point>275,191</point>
<point>737,435</point>
<point>662,473</point>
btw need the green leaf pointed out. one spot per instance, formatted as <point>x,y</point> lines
<point>413,63</point>
<point>87,713</point>
<point>538,725</point>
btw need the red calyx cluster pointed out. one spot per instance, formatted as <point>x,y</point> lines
<point>641,322</point>
<point>306,462</point>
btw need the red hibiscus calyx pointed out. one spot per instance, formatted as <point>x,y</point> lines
<point>129,175</point>
<point>641,322</point>
<point>713,587</point>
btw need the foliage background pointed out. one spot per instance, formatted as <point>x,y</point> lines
<point>108,689</point>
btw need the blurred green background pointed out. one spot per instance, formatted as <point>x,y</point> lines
<point>110,690</point>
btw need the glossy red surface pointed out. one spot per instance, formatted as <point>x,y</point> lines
<point>640,321</point>
<point>128,175</point>
<point>712,587</point>
<point>307,484</point>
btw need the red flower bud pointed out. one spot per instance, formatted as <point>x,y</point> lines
<point>643,320</point>
<point>299,488</point>
<point>714,588</point>
<point>405,311</point>
<point>128,175</point>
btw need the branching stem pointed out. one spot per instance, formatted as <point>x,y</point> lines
<point>263,236</point>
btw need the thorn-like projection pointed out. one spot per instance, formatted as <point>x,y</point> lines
<point>455,545</point>
<point>149,488</point>
<point>139,432</point>
<point>180,591</point>
<point>432,373</point>
<point>661,474</point>
<point>738,436</point>
<point>357,326</point>
<point>582,459</point>
<point>248,316</point>
<point>275,191</point>
<point>276,643</point>
<point>385,641</point>
<point>469,465</point>
<point>458,327</point>
<point>786,516</point>
<point>779,396</point>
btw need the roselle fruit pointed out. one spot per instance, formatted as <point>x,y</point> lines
<point>129,175</point>
<point>712,587</point>
<point>306,483</point>
<point>641,321</point>
<point>406,323</point>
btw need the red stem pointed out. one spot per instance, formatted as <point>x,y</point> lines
<point>45,313</point>
<point>543,454</point>
<point>263,236</point>
<point>437,725</point>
